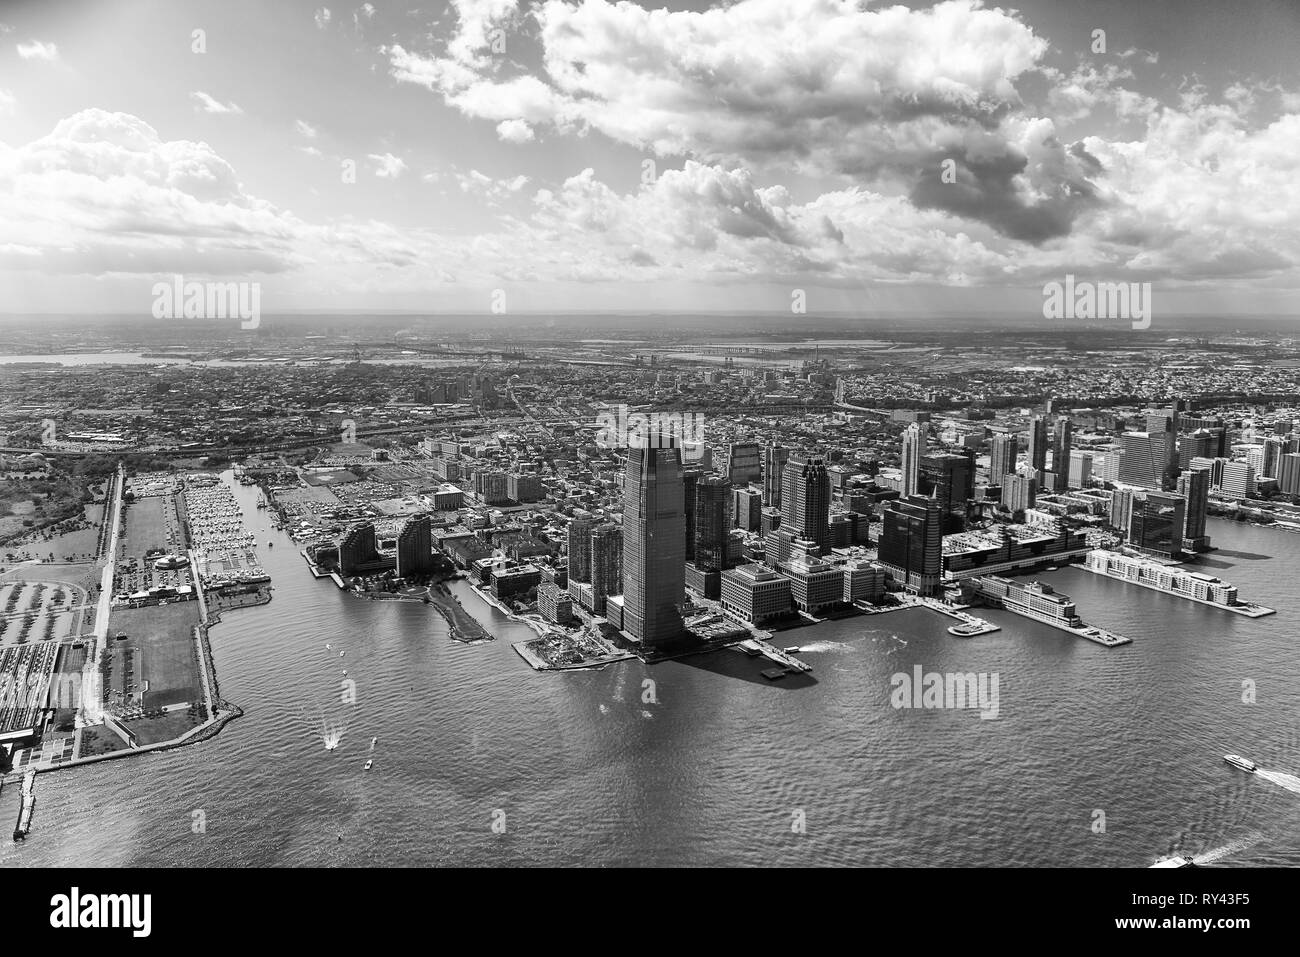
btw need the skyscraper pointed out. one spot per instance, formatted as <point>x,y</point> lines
<point>580,550</point>
<point>913,446</point>
<point>744,463</point>
<point>1019,492</point>
<point>1288,473</point>
<point>1157,523</point>
<point>1038,445</point>
<point>654,542</point>
<point>606,564</point>
<point>712,522</point>
<point>690,476</point>
<point>1145,459</point>
<point>949,478</point>
<point>911,543</point>
<point>774,459</point>
<point>1080,473</point>
<point>1062,438</point>
<point>1002,458</point>
<point>1194,485</point>
<point>806,498</point>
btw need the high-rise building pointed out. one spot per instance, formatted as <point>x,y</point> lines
<point>525,487</point>
<point>654,543</point>
<point>806,498</point>
<point>1194,486</point>
<point>1120,513</point>
<point>747,508</point>
<point>1002,458</point>
<point>913,447</point>
<point>1038,445</point>
<point>1019,492</point>
<point>949,478</point>
<point>744,463</point>
<point>1062,440</point>
<point>415,548</point>
<point>1145,459</point>
<point>1080,475</point>
<point>712,522</point>
<point>1238,479</point>
<point>911,543</point>
<point>1157,524</point>
<point>580,549</point>
<point>690,476</point>
<point>1288,473</point>
<point>774,459</point>
<point>606,564</point>
<point>357,551</point>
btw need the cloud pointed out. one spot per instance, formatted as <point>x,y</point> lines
<point>515,131</point>
<point>322,17</point>
<point>387,165</point>
<point>38,50</point>
<point>304,128</point>
<point>364,12</point>
<point>209,105</point>
<point>7,101</point>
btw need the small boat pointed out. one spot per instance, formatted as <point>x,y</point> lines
<point>1237,761</point>
<point>327,646</point>
<point>1181,861</point>
<point>369,764</point>
<point>270,544</point>
<point>792,650</point>
<point>373,742</point>
<point>342,653</point>
<point>345,670</point>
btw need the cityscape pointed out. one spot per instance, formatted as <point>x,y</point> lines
<point>837,558</point>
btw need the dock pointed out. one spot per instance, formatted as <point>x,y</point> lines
<point>751,645</point>
<point>28,805</point>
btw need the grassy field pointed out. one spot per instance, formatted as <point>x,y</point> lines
<point>161,647</point>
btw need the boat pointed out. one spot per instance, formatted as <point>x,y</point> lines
<point>341,654</point>
<point>369,764</point>
<point>1183,860</point>
<point>345,670</point>
<point>372,743</point>
<point>792,650</point>
<point>1237,761</point>
<point>270,544</point>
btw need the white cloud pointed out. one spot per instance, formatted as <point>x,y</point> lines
<point>515,131</point>
<point>38,50</point>
<point>322,17</point>
<point>387,166</point>
<point>7,101</point>
<point>305,129</point>
<point>209,105</point>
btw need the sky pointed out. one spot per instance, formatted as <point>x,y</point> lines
<point>593,156</point>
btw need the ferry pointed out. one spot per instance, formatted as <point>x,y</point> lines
<point>369,764</point>
<point>1237,761</point>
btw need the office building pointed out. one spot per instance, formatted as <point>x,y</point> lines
<point>654,543</point>
<point>1194,486</point>
<point>774,459</point>
<point>415,548</point>
<point>806,498</point>
<point>911,543</point>
<point>1002,458</point>
<point>913,447</point>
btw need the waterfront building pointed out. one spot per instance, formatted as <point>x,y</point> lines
<point>415,548</point>
<point>1157,523</point>
<point>553,604</point>
<point>814,584</point>
<point>1194,486</point>
<point>754,594</point>
<point>911,543</point>
<point>654,542</point>
<point>1288,473</point>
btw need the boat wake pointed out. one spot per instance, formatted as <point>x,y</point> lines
<point>1281,779</point>
<point>1218,853</point>
<point>836,647</point>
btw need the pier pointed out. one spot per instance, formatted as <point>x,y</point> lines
<point>1178,582</point>
<point>775,654</point>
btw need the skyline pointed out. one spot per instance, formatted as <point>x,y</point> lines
<point>784,156</point>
